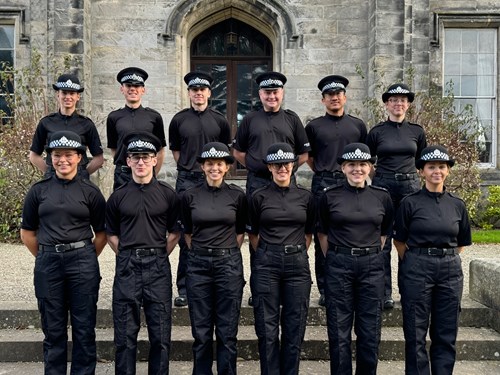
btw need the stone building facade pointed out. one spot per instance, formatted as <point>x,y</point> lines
<point>307,40</point>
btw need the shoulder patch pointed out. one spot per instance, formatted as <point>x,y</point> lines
<point>378,188</point>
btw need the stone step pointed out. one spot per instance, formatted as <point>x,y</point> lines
<point>473,344</point>
<point>23,315</point>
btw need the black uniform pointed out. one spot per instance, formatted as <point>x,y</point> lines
<point>66,276</point>
<point>189,130</point>
<point>280,272</point>
<point>354,220</point>
<point>259,130</point>
<point>396,145</point>
<point>141,215</point>
<point>432,225</point>
<point>81,125</point>
<point>214,280</point>
<point>328,135</point>
<point>124,121</point>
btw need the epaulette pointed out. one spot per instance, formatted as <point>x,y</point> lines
<point>354,117</point>
<point>84,117</point>
<point>235,187</point>
<point>87,182</point>
<point>409,195</point>
<point>217,112</point>
<point>289,111</point>
<point>44,179</point>
<point>377,125</point>
<point>49,115</point>
<point>164,183</point>
<point>183,110</point>
<point>332,187</point>
<point>378,188</point>
<point>414,124</point>
<point>151,110</point>
<point>455,196</point>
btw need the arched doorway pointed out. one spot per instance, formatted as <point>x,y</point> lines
<point>234,53</point>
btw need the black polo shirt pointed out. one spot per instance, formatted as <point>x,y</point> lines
<point>396,144</point>
<point>328,135</point>
<point>63,211</point>
<point>355,217</point>
<point>282,215</point>
<point>141,215</point>
<point>190,130</point>
<point>427,219</point>
<point>81,125</point>
<point>214,216</point>
<point>259,130</point>
<point>127,120</point>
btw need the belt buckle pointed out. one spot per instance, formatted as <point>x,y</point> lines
<point>289,249</point>
<point>141,252</point>
<point>60,248</point>
<point>434,251</point>
<point>356,251</point>
<point>399,176</point>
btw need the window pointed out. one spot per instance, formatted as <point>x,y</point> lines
<point>6,62</point>
<point>470,64</point>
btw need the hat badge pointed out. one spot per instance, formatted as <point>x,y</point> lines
<point>213,150</point>
<point>69,82</point>
<point>280,152</point>
<point>140,143</point>
<point>64,140</point>
<point>358,152</point>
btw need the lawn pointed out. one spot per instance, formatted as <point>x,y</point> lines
<point>486,236</point>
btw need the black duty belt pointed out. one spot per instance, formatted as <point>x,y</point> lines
<point>435,251</point>
<point>186,173</point>
<point>334,174</point>
<point>64,247</point>
<point>356,251</point>
<point>124,168</point>
<point>287,249</point>
<point>145,252</point>
<point>398,176</point>
<point>214,252</point>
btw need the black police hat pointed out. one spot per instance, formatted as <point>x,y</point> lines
<point>333,83</point>
<point>398,89</point>
<point>215,150</point>
<point>434,153</point>
<point>68,82</point>
<point>198,79</point>
<point>280,153</point>
<point>356,152</point>
<point>142,142</point>
<point>65,139</point>
<point>270,80</point>
<point>132,75</point>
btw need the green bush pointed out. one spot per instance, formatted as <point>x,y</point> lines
<point>488,216</point>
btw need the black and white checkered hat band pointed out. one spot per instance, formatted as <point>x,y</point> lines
<point>132,77</point>
<point>141,145</point>
<point>280,156</point>
<point>435,155</point>
<point>398,90</point>
<point>67,85</point>
<point>356,155</point>
<point>271,82</point>
<point>198,82</point>
<point>214,154</point>
<point>64,143</point>
<point>333,86</point>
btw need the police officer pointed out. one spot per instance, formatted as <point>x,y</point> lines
<point>189,130</point>
<point>68,90</point>
<point>396,142</point>
<point>132,118</point>
<point>354,220</point>
<point>63,227</point>
<point>142,229</point>
<point>431,229</point>
<point>260,129</point>
<point>282,218</point>
<point>327,137</point>
<point>214,216</point>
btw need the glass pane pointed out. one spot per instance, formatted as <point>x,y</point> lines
<point>486,64</point>
<point>453,40</point>
<point>469,63</point>
<point>485,86</point>
<point>469,41</point>
<point>6,56</point>
<point>469,86</point>
<point>7,36</point>
<point>452,63</point>
<point>486,40</point>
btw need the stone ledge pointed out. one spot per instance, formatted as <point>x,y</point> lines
<point>484,279</point>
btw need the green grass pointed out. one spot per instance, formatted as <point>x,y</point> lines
<point>486,236</point>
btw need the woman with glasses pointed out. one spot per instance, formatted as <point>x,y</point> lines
<point>281,226</point>
<point>431,229</point>
<point>396,142</point>
<point>214,215</point>
<point>354,221</point>
<point>63,227</point>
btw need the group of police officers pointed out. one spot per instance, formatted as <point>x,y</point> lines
<point>66,223</point>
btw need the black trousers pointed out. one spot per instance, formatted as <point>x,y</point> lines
<point>431,292</point>
<point>142,281</point>
<point>354,290</point>
<point>214,290</point>
<point>276,276</point>
<point>318,184</point>
<point>185,180</point>
<point>398,189</point>
<point>68,281</point>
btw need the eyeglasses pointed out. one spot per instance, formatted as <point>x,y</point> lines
<point>278,166</point>
<point>56,155</point>
<point>145,158</point>
<point>398,100</point>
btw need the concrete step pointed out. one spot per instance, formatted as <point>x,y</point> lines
<point>473,344</point>
<point>24,315</point>
<point>252,367</point>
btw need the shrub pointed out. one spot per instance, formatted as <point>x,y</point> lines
<point>489,213</point>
